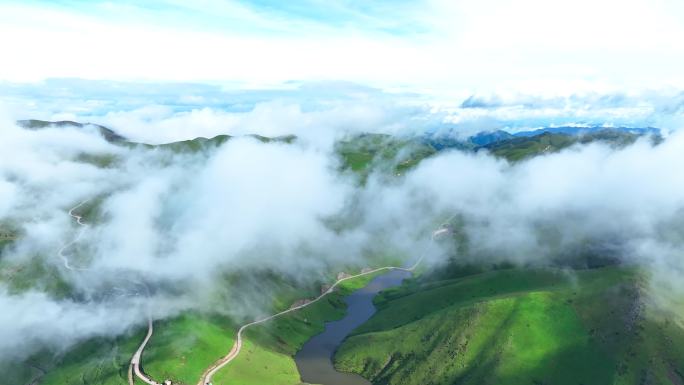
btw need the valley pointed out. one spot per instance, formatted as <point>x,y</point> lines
<point>462,322</point>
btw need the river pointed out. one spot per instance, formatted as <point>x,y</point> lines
<point>314,360</point>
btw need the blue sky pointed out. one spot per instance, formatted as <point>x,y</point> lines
<point>391,17</point>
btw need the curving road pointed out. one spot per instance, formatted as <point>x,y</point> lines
<point>79,221</point>
<point>237,345</point>
<point>134,367</point>
<point>208,374</point>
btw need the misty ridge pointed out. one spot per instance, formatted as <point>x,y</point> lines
<point>169,231</point>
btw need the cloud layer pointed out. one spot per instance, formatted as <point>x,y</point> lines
<point>172,227</point>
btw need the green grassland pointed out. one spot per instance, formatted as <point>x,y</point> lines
<point>391,155</point>
<point>102,361</point>
<point>183,347</point>
<point>35,273</point>
<point>108,134</point>
<point>189,146</point>
<point>93,361</point>
<point>518,326</point>
<point>521,148</point>
<point>365,153</point>
<point>196,145</point>
<point>468,325</point>
<point>267,357</point>
<point>103,160</point>
<point>96,361</point>
<point>200,144</point>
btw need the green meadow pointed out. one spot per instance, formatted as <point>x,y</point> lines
<point>515,326</point>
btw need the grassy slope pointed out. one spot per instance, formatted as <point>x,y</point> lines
<point>365,153</point>
<point>267,356</point>
<point>191,145</point>
<point>517,327</point>
<point>521,148</point>
<point>200,144</point>
<point>108,134</point>
<point>97,361</point>
<point>31,274</point>
<point>526,147</point>
<point>183,347</point>
<point>102,361</point>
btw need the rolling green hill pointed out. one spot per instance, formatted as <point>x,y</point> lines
<point>520,148</point>
<point>365,153</point>
<point>518,326</point>
<point>108,134</point>
<point>184,146</point>
<point>390,155</point>
<point>203,144</point>
<point>469,325</point>
<point>182,347</point>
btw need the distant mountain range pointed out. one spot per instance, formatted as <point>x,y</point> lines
<point>512,146</point>
<point>190,145</point>
<point>486,139</point>
<point>580,130</point>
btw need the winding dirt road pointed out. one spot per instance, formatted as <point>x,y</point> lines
<point>237,345</point>
<point>208,374</point>
<point>134,367</point>
<point>79,221</point>
<point>36,380</point>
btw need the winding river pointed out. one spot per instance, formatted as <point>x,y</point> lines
<point>314,360</point>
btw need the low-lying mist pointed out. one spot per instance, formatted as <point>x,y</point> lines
<point>165,229</point>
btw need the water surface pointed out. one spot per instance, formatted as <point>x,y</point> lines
<point>314,360</point>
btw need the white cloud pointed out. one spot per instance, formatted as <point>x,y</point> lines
<point>160,124</point>
<point>180,222</point>
<point>465,45</point>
